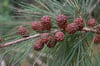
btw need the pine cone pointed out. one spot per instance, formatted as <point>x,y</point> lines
<point>46,22</point>
<point>59,36</point>
<point>79,22</point>
<point>62,21</point>
<point>91,22</point>
<point>37,26</point>
<point>23,31</point>
<point>38,45</point>
<point>98,29</point>
<point>97,39</point>
<point>45,37</point>
<point>52,43</point>
<point>72,28</point>
<point>0,39</point>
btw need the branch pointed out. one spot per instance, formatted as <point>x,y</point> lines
<point>19,40</point>
<point>89,30</point>
<point>22,39</point>
<point>37,35</point>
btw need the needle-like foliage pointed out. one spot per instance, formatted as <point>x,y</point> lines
<point>74,50</point>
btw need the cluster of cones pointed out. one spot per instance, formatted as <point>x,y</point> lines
<point>46,24</point>
<point>92,24</point>
<point>49,40</point>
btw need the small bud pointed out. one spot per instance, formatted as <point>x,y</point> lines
<point>72,28</point>
<point>45,37</point>
<point>80,23</point>
<point>97,39</point>
<point>37,26</point>
<point>23,31</point>
<point>38,45</point>
<point>98,29</point>
<point>62,21</point>
<point>46,22</point>
<point>52,43</point>
<point>59,36</point>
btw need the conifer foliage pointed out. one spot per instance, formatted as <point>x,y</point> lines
<point>63,35</point>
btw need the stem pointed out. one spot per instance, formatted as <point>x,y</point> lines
<point>22,39</point>
<point>37,35</point>
<point>89,30</point>
<point>19,40</point>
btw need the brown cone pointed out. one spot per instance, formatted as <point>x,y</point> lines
<point>80,23</point>
<point>59,36</point>
<point>38,45</point>
<point>45,37</point>
<point>72,28</point>
<point>46,22</point>
<point>62,21</point>
<point>23,31</point>
<point>52,42</point>
<point>37,26</point>
<point>98,29</point>
<point>91,22</point>
<point>97,39</point>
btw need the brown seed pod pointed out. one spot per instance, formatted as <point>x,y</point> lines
<point>92,22</point>
<point>62,21</point>
<point>52,42</point>
<point>59,36</point>
<point>46,22</point>
<point>97,39</point>
<point>45,37</point>
<point>38,45</point>
<point>79,22</point>
<point>36,26</point>
<point>72,28</point>
<point>23,31</point>
<point>0,39</point>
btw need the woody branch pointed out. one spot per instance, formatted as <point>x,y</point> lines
<point>37,35</point>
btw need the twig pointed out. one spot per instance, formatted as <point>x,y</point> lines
<point>89,30</point>
<point>37,35</point>
<point>19,40</point>
<point>22,39</point>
